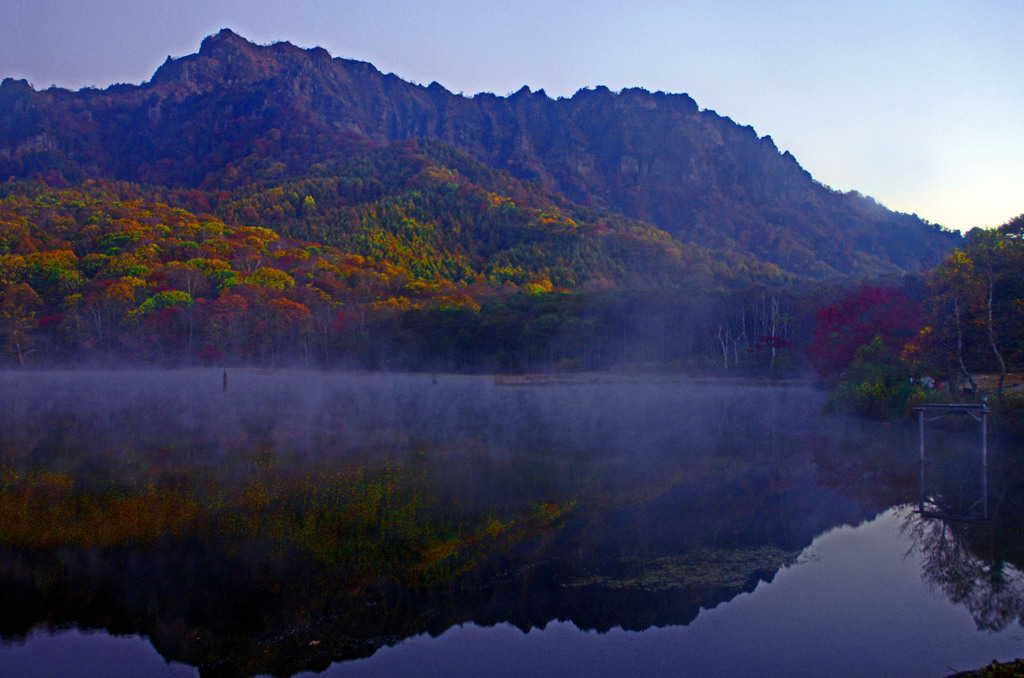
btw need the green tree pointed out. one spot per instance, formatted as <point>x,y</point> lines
<point>876,384</point>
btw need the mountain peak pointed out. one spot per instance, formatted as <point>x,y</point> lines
<point>225,37</point>
<point>223,58</point>
<point>651,156</point>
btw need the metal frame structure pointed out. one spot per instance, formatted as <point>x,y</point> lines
<point>977,411</point>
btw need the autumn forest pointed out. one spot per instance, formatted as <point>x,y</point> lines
<point>301,360</point>
<point>217,216</point>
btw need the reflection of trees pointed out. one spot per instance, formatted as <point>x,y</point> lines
<point>236,529</point>
<point>991,590</point>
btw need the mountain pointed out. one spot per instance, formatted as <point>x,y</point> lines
<point>238,114</point>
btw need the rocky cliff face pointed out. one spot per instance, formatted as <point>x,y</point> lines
<point>652,156</point>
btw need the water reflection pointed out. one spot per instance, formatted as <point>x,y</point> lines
<point>954,482</point>
<point>301,519</point>
<point>967,553</point>
<point>960,561</point>
<point>851,606</point>
<point>96,655</point>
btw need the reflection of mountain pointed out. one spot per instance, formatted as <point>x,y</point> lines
<point>683,496</point>
<point>238,613</point>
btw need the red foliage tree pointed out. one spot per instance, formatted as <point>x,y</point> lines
<point>858,318</point>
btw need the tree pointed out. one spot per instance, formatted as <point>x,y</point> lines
<point>855,320</point>
<point>953,283</point>
<point>186,276</point>
<point>18,306</point>
<point>290,325</point>
<point>108,303</point>
<point>167,318</point>
<point>227,323</point>
<point>998,255</point>
<point>987,249</point>
<point>876,384</point>
<point>977,315</point>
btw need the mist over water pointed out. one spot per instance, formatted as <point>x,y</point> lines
<point>306,417</point>
<point>297,518</point>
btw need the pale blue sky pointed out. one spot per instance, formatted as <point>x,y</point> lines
<point>919,104</point>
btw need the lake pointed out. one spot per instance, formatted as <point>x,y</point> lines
<point>308,523</point>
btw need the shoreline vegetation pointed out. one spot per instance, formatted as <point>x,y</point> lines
<point>1012,669</point>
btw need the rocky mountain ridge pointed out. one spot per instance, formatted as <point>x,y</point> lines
<point>237,111</point>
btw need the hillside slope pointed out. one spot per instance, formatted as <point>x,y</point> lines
<point>236,113</point>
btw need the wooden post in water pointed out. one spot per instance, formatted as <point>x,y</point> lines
<point>984,463</point>
<point>920,431</point>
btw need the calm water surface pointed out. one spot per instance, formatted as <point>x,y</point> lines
<point>154,523</point>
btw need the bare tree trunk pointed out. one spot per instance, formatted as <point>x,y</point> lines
<point>741,336</point>
<point>960,344</point>
<point>97,317</point>
<point>992,338</point>
<point>769,318</point>
<point>724,341</point>
<point>17,346</point>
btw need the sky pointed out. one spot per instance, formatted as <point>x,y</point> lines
<point>918,104</point>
